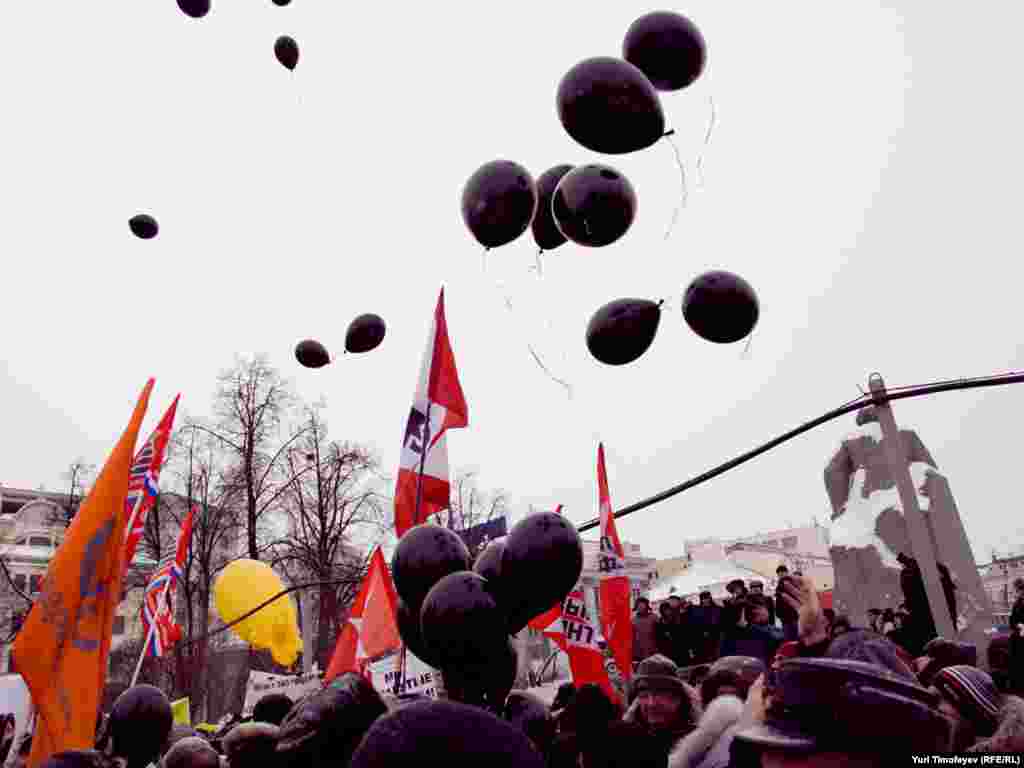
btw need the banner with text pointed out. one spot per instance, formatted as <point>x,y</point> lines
<point>292,686</point>
<point>419,677</point>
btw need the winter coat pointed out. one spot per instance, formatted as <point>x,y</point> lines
<point>758,641</point>
<point>722,712</point>
<point>1009,735</point>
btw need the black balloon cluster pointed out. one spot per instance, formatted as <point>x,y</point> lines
<point>610,105</point>
<point>364,334</point>
<point>458,616</point>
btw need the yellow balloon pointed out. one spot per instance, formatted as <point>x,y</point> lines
<point>242,586</point>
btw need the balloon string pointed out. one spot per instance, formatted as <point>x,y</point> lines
<point>682,185</point>
<point>568,387</point>
<point>483,260</point>
<point>540,269</point>
<point>712,121</point>
<point>749,345</point>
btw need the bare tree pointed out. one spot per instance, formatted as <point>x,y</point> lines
<point>331,498</point>
<point>471,506</point>
<point>76,478</point>
<point>250,406</point>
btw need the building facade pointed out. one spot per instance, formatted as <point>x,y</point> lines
<point>997,579</point>
<point>31,528</point>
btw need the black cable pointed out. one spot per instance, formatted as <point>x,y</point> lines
<point>898,393</point>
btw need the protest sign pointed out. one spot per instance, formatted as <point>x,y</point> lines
<point>292,686</point>
<point>419,676</point>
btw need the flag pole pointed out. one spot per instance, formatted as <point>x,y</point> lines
<point>423,460</point>
<point>142,656</point>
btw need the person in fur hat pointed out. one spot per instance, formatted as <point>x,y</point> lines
<point>664,704</point>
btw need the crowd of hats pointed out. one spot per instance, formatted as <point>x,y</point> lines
<point>458,616</point>
<point>611,106</point>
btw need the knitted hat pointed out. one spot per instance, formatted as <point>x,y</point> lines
<point>272,708</point>
<point>191,752</point>
<point>946,653</point>
<point>739,672</point>
<point>658,673</point>
<point>974,695</point>
<point>866,646</point>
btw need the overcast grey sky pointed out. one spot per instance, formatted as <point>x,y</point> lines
<point>863,175</point>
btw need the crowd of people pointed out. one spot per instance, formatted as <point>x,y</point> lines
<point>833,694</point>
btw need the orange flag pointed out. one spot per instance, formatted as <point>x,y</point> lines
<point>62,650</point>
<point>372,626</point>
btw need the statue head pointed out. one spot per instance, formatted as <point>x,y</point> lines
<point>867,415</point>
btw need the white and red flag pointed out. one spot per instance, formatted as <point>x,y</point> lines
<point>571,627</point>
<point>372,627</point>
<point>613,586</point>
<point>144,482</point>
<point>438,406</point>
<point>158,603</point>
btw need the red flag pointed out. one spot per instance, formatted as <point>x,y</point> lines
<point>571,627</point>
<point>438,406</point>
<point>616,617</point>
<point>144,482</point>
<point>372,626</point>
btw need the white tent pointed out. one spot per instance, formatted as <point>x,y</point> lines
<point>710,575</point>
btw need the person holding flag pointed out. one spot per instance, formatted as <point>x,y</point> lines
<point>158,602</point>
<point>422,488</point>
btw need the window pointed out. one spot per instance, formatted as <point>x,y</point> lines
<point>119,625</point>
<point>19,581</point>
<point>35,584</point>
<point>772,543</point>
<point>789,542</point>
<point>39,541</point>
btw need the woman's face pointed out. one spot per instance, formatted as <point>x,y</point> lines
<point>660,708</point>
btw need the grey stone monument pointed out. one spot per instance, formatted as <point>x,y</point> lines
<point>869,529</point>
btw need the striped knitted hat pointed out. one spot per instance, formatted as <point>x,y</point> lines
<point>974,695</point>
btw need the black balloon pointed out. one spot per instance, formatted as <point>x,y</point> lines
<point>546,234</point>
<point>498,202</point>
<point>425,554</point>
<point>594,205</point>
<point>485,684</point>
<point>364,333</point>
<point>143,226</point>
<point>287,51</point>
<point>311,354</point>
<point>610,106</point>
<point>462,623</point>
<point>194,8</point>
<point>622,330</point>
<point>667,47</point>
<point>543,558</point>
<point>721,307</point>
<point>488,562</point>
<point>408,620</point>
<point>282,3</point>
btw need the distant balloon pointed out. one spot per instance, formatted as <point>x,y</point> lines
<point>543,558</point>
<point>594,205</point>
<point>364,333</point>
<point>498,202</point>
<point>287,51</point>
<point>426,554</point>
<point>610,106</point>
<point>622,330</point>
<point>721,307</point>
<point>282,3</point>
<point>667,47</point>
<point>311,354</point>
<point>194,8</point>
<point>143,226</point>
<point>546,234</point>
<point>462,622</point>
